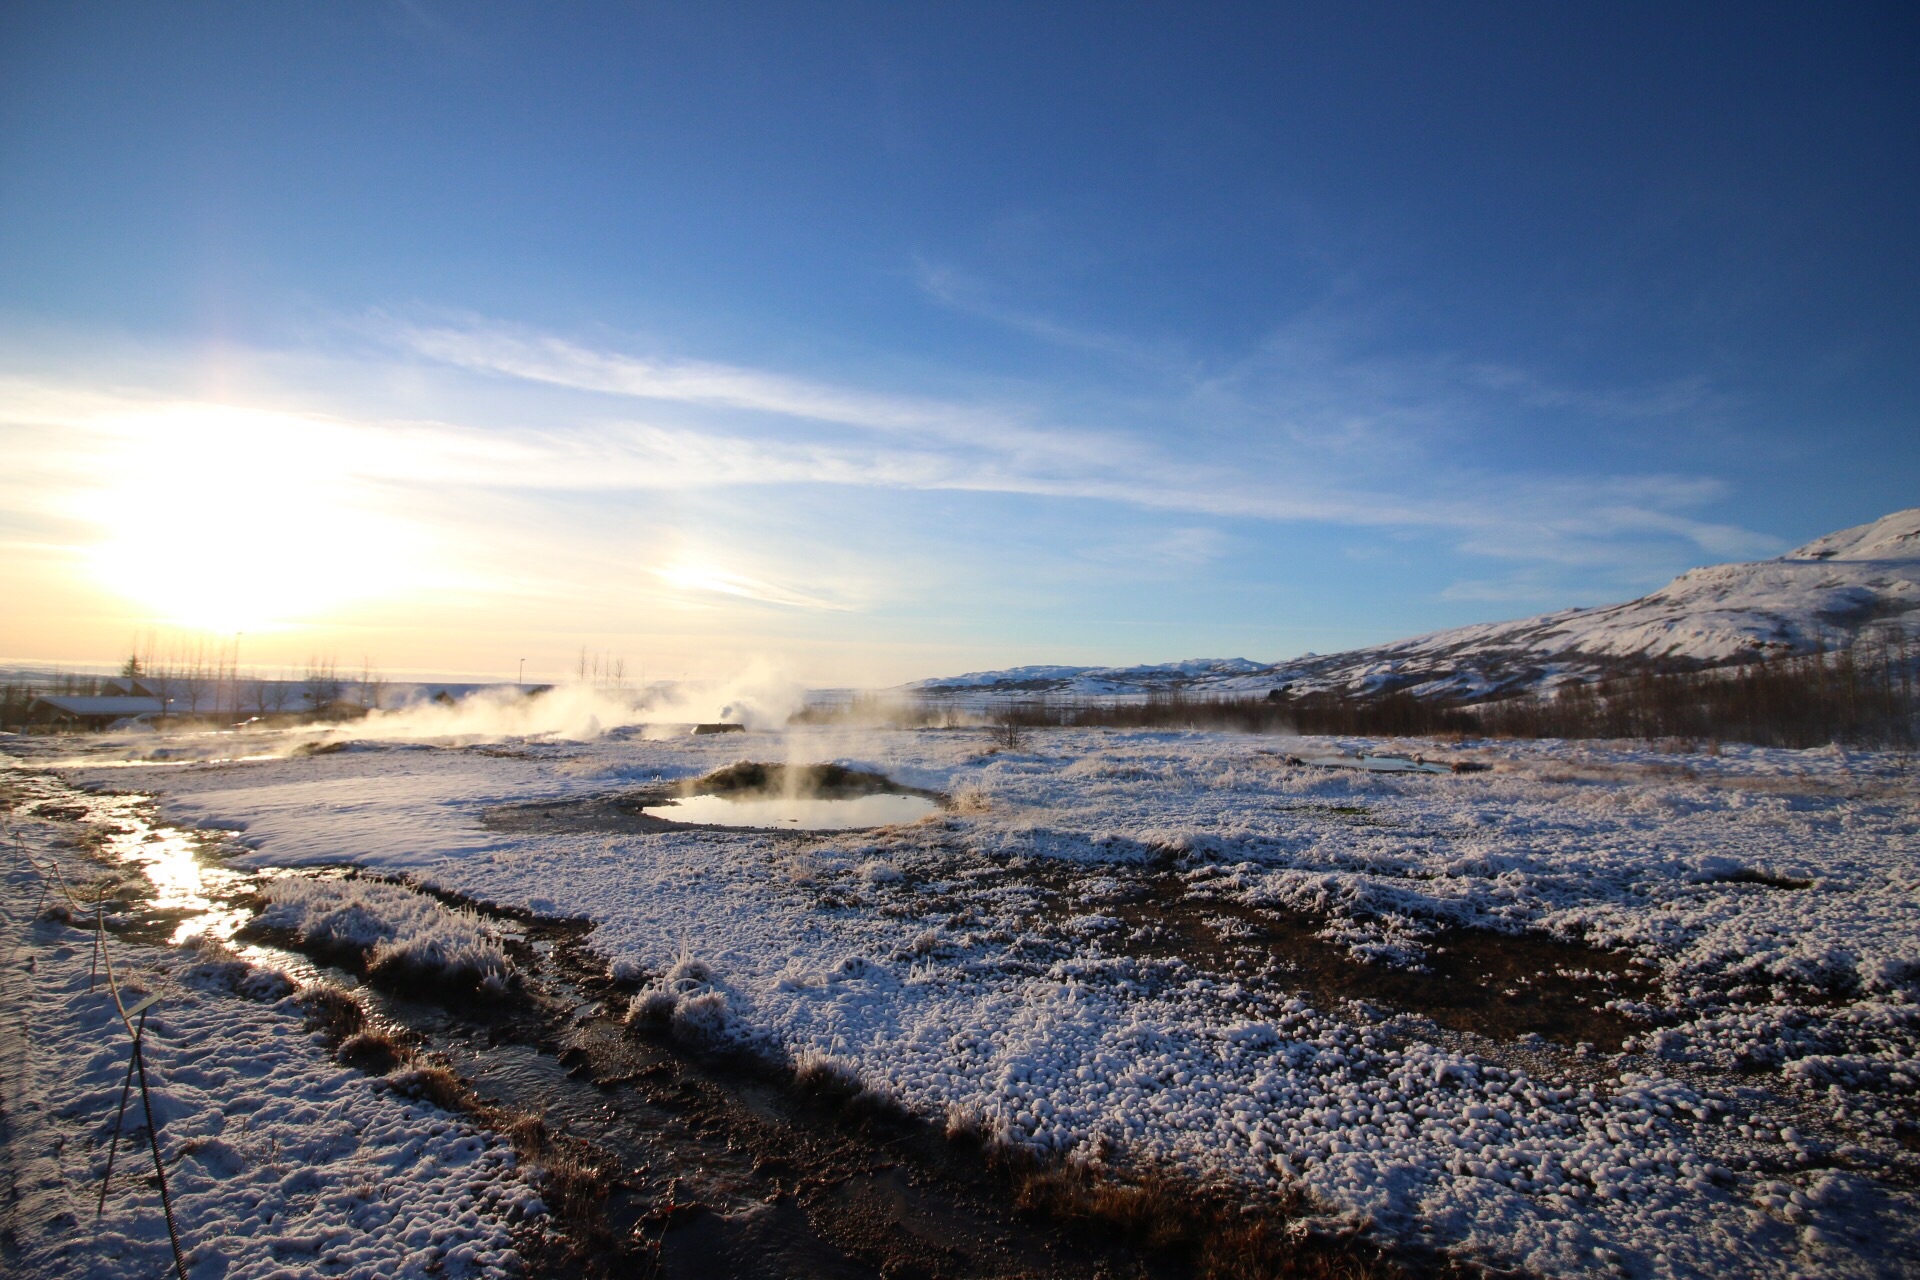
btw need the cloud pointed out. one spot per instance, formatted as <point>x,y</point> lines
<point>698,578</point>
<point>957,291</point>
<point>1693,395</point>
<point>555,361</point>
<point>928,444</point>
<point>1294,432</point>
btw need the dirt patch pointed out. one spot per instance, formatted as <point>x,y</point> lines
<point>1751,875</point>
<point>1499,985</point>
<point>807,1173</point>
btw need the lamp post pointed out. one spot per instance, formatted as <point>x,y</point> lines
<point>523,673</point>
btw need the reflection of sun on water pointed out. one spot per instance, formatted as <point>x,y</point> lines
<point>231,520</point>
<point>170,858</point>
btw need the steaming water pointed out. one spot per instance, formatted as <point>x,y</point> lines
<point>1377,764</point>
<point>789,814</point>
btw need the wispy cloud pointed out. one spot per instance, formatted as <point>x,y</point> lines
<point>557,362</point>
<point>702,579</point>
<point>956,290</point>
<point>1291,470</point>
<point>1693,396</point>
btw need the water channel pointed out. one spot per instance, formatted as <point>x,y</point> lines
<point>713,1166</point>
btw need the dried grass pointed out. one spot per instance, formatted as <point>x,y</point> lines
<point>375,1051</point>
<point>399,935</point>
<point>574,1184</point>
<point>1213,1232</point>
<point>331,1011</point>
<point>431,1082</point>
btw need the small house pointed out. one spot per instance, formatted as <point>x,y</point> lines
<point>63,711</point>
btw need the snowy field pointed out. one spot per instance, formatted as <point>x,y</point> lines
<point>1756,913</point>
<point>280,1163</point>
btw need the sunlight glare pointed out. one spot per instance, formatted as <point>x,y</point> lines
<point>228,519</point>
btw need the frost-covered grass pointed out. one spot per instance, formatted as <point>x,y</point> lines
<point>400,932</point>
<point>977,966</point>
<point>685,1000</point>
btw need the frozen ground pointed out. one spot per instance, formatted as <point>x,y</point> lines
<point>280,1163</point>
<point>1003,960</point>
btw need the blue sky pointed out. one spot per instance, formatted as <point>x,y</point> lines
<point>889,341</point>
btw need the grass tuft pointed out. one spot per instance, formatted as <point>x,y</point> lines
<point>375,1051</point>
<point>400,936</point>
<point>431,1082</point>
<point>575,1186</point>
<point>331,1011</point>
<point>824,1077</point>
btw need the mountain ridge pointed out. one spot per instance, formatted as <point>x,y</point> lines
<point>1827,593</point>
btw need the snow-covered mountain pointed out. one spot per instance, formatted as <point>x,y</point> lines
<point>1826,594</point>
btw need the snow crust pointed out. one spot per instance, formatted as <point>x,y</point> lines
<point>927,961</point>
<point>281,1163</point>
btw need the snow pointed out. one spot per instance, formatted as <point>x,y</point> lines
<point>973,963</point>
<point>279,1161</point>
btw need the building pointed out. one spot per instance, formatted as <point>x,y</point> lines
<point>63,711</point>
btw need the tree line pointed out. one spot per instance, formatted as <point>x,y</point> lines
<point>198,679</point>
<point>1868,694</point>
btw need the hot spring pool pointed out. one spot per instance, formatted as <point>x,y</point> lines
<point>795,814</point>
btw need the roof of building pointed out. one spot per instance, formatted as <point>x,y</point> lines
<point>130,685</point>
<point>114,706</point>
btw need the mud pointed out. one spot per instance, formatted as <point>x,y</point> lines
<point>1499,985</point>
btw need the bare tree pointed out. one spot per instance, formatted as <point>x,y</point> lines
<point>1009,728</point>
<point>322,682</point>
<point>162,677</point>
<point>373,685</point>
<point>195,682</point>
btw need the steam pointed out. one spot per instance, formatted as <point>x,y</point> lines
<point>759,698</point>
<point>574,711</point>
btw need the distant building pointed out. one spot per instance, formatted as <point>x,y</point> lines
<point>61,711</point>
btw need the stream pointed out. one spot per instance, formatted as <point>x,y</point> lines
<point>715,1166</point>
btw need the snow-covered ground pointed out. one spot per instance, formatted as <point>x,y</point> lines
<point>280,1162</point>
<point>987,961</point>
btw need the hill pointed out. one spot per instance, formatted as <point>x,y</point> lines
<point>1827,594</point>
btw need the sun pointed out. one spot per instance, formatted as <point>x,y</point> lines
<point>223,519</point>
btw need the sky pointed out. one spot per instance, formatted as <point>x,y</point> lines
<point>879,342</point>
